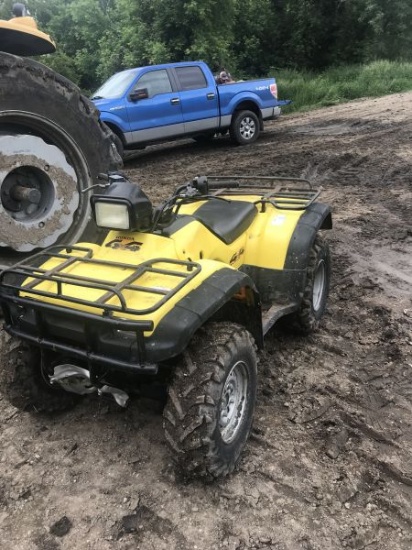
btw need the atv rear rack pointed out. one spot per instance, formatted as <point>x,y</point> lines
<point>29,278</point>
<point>284,193</point>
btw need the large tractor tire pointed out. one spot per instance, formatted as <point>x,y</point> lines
<point>52,147</point>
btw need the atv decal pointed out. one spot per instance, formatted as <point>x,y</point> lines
<point>124,243</point>
<point>278,220</point>
<point>236,256</point>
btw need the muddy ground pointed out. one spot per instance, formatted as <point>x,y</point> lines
<point>329,462</point>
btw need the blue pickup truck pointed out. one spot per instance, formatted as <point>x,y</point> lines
<point>158,103</point>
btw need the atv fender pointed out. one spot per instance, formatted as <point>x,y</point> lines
<point>292,279</point>
<point>227,294</point>
<point>317,216</point>
<point>285,285</point>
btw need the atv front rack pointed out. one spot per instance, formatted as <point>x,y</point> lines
<point>284,193</point>
<point>26,278</point>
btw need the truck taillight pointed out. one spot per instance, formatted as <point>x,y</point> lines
<point>274,90</point>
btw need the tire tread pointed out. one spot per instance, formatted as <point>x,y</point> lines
<point>190,413</point>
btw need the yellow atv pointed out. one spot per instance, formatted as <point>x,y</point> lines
<point>182,293</point>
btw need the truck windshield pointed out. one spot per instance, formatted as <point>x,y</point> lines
<point>116,86</point>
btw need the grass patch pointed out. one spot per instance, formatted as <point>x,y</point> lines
<point>310,90</point>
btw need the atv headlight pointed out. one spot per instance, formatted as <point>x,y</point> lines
<point>124,207</point>
<point>112,215</point>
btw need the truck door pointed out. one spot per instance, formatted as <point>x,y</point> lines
<point>199,100</point>
<point>155,111</point>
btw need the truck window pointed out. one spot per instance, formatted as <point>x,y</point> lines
<point>156,82</point>
<point>191,78</point>
<point>116,86</point>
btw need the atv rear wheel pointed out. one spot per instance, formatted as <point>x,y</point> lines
<point>22,381</point>
<point>208,415</point>
<point>312,308</point>
<point>52,147</point>
<point>245,128</point>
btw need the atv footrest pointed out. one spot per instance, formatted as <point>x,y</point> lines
<point>274,313</point>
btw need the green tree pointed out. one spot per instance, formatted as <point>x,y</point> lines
<point>160,31</point>
<point>256,35</point>
<point>96,38</point>
<point>78,27</point>
<point>389,24</point>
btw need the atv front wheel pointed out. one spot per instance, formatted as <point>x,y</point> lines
<point>208,415</point>
<point>22,381</point>
<point>245,128</point>
<point>315,295</point>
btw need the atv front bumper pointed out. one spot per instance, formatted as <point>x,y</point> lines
<point>114,343</point>
<point>105,332</point>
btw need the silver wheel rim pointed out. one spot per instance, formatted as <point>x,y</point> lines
<point>41,161</point>
<point>247,127</point>
<point>233,402</point>
<point>319,285</point>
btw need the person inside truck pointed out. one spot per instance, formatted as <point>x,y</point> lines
<point>224,77</point>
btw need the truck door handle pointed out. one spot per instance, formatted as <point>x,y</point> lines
<point>175,101</point>
<point>210,95</point>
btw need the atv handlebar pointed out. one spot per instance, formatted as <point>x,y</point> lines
<point>284,193</point>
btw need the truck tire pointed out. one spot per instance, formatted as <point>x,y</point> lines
<point>22,382</point>
<point>209,411</point>
<point>315,295</point>
<point>245,128</point>
<point>53,146</point>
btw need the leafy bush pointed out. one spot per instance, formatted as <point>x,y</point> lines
<point>310,90</point>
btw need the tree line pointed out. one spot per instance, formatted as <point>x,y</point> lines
<point>96,38</point>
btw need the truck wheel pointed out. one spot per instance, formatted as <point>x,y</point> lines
<point>209,411</point>
<point>52,146</point>
<point>22,382</point>
<point>245,128</point>
<point>315,295</point>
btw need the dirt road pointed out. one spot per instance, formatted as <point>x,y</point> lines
<point>329,463</point>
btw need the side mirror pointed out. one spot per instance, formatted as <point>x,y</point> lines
<point>140,93</point>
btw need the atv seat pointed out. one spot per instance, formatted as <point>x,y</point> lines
<point>226,219</point>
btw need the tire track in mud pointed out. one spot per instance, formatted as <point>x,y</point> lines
<point>351,404</point>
